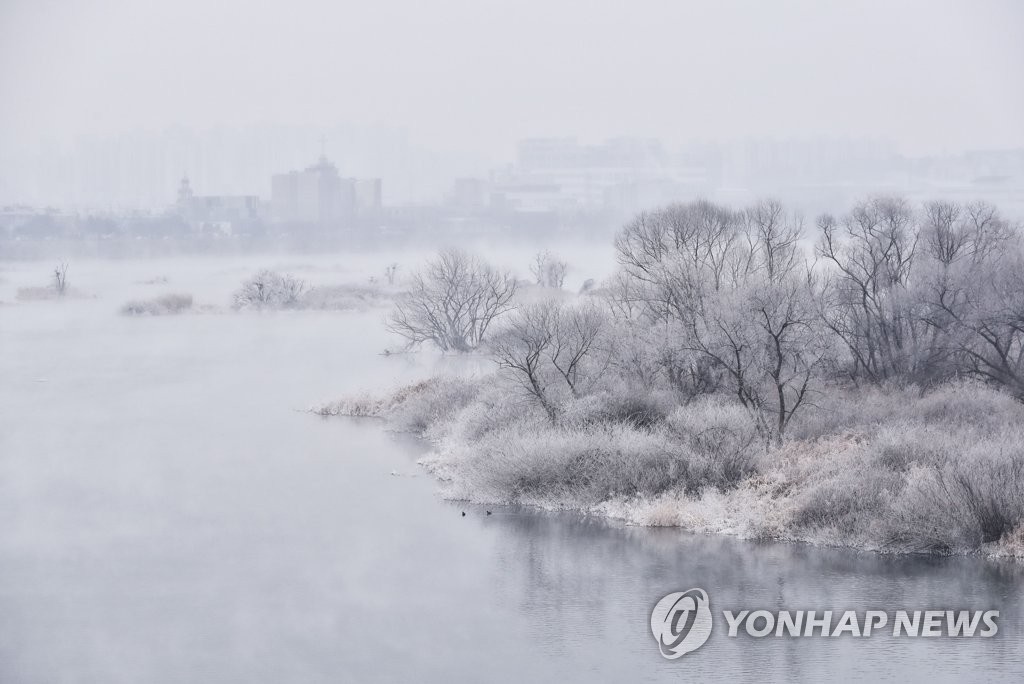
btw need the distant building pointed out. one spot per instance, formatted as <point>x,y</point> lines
<point>315,195</point>
<point>564,177</point>
<point>367,196</point>
<point>217,213</point>
<point>184,194</point>
<point>468,194</point>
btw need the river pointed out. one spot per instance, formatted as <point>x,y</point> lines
<point>168,513</point>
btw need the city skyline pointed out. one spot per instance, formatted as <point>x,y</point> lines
<point>141,172</point>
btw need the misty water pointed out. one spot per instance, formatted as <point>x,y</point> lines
<point>168,513</point>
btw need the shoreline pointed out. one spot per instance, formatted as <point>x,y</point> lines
<point>816,490</point>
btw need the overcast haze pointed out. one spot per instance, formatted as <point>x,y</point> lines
<point>569,322</point>
<point>476,76</point>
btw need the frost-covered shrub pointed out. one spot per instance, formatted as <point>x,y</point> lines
<point>968,405</point>
<point>972,500</point>
<point>838,410</point>
<point>1011,545</point>
<point>493,408</point>
<point>881,469</point>
<point>837,489</point>
<point>427,404</point>
<point>568,466</point>
<point>723,440</point>
<point>904,444</point>
<point>160,306</point>
<point>926,481</point>
<point>270,290</point>
<point>342,297</point>
<point>641,410</point>
<point>634,407</point>
<point>412,408</point>
<point>586,459</point>
<point>963,404</point>
<point>364,405</point>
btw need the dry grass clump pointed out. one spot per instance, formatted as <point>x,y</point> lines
<point>35,294</point>
<point>343,297</point>
<point>160,306</point>
<point>411,408</point>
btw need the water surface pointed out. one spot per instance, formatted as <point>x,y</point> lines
<point>168,515</point>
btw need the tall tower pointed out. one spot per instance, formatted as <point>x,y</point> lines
<point>184,193</point>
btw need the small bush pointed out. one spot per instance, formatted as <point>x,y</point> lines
<point>723,440</point>
<point>640,409</point>
<point>270,290</point>
<point>963,404</point>
<point>835,411</point>
<point>974,500</point>
<point>411,408</point>
<point>969,405</point>
<point>569,466</point>
<point>494,408</point>
<point>342,297</point>
<point>835,490</point>
<point>432,403</point>
<point>161,306</point>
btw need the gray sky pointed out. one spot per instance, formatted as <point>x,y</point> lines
<point>475,75</point>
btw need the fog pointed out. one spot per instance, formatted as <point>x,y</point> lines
<point>421,93</point>
<point>171,513</point>
<point>438,341</point>
<point>475,76</point>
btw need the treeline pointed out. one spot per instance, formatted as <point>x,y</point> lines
<point>753,304</point>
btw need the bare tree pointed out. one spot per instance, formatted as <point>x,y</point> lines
<point>735,307</point>
<point>673,248</point>
<point>390,273</point>
<point>870,302</point>
<point>773,239</point>
<point>548,270</point>
<point>974,291</point>
<point>991,326</point>
<point>452,302</point>
<point>60,279</point>
<point>553,350</point>
<point>954,232</point>
<point>522,345</point>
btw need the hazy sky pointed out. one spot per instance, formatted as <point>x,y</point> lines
<point>475,75</point>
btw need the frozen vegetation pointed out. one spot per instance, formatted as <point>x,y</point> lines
<point>865,392</point>
<point>159,306</point>
<point>272,290</point>
<point>57,289</point>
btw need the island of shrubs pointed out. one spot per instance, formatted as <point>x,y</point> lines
<point>858,384</point>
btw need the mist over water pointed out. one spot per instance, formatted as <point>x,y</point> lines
<point>172,515</point>
<point>622,270</point>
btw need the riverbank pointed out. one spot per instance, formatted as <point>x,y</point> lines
<point>888,470</point>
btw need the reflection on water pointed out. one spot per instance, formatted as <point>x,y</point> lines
<point>169,517</point>
<point>575,576</point>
